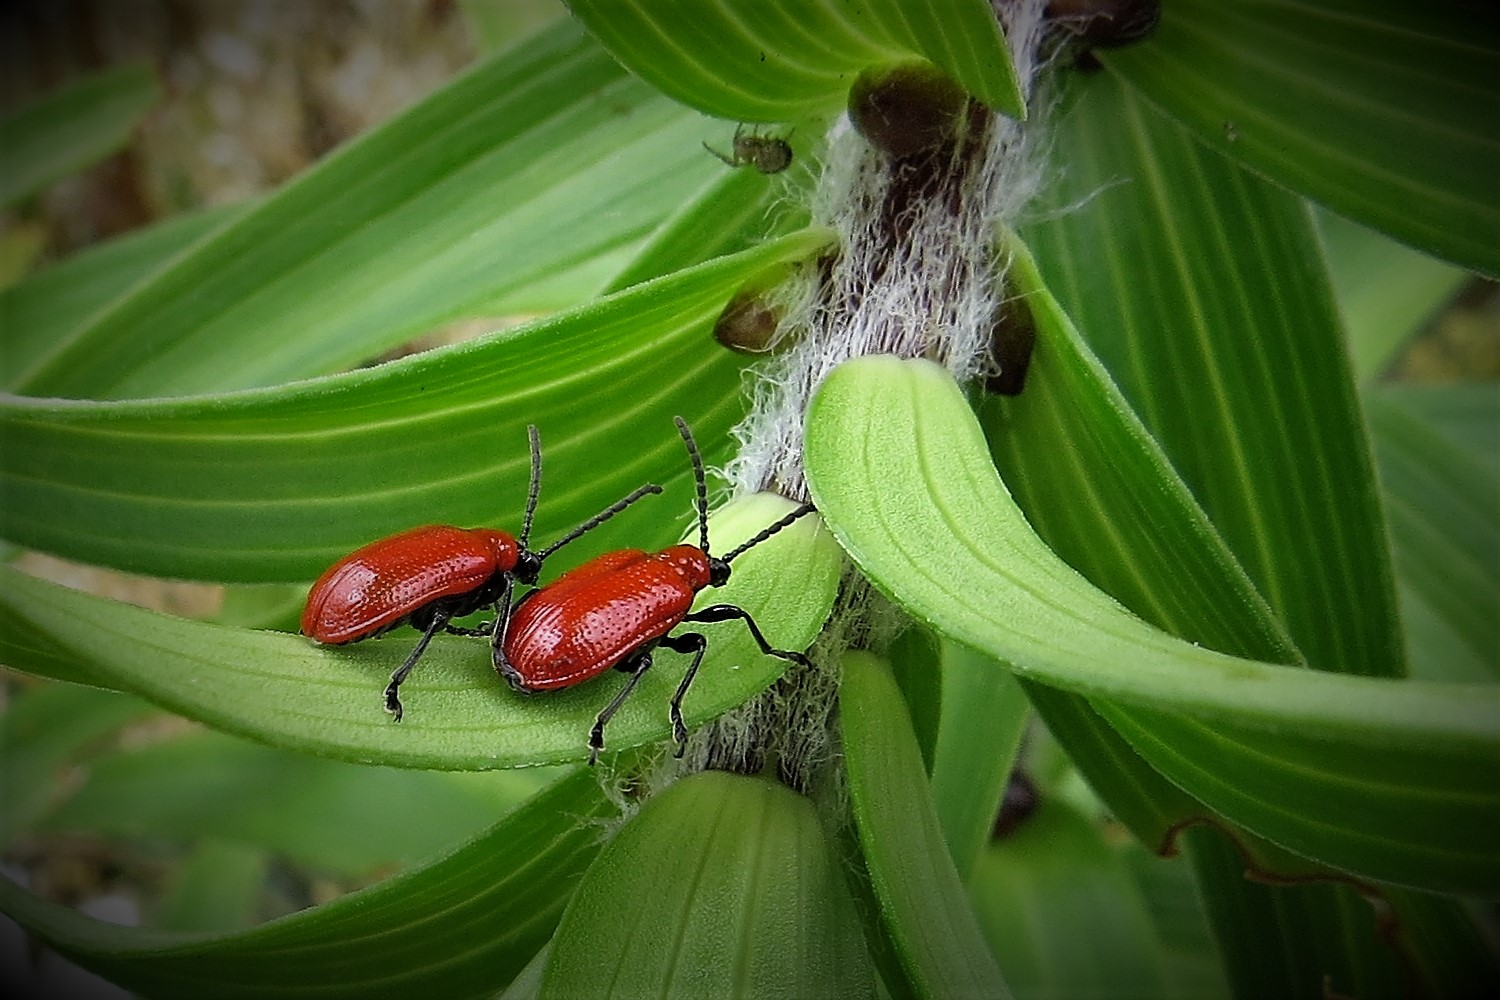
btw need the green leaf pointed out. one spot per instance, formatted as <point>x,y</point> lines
<point>284,690</point>
<point>1072,435</point>
<point>979,733</point>
<point>1201,289</point>
<point>1380,109</point>
<point>1446,543</point>
<point>722,886</point>
<point>49,310</point>
<point>274,485</point>
<point>1464,413</point>
<point>520,186</point>
<point>921,899</point>
<point>218,888</point>
<point>344,819</point>
<point>1291,941</point>
<point>72,128</point>
<point>44,732</point>
<point>1389,779</point>
<point>459,927</point>
<point>751,61</point>
<point>1052,885</point>
<point>1385,290</point>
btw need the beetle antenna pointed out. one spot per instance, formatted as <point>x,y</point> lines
<point>600,518</point>
<point>801,511</point>
<point>692,447</point>
<point>536,482</point>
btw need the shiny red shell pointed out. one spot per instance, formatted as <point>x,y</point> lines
<point>592,617</point>
<point>375,587</point>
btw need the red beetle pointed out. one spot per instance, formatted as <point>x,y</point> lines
<point>431,575</point>
<point>614,610</point>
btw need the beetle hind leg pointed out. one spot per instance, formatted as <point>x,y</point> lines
<point>688,642</point>
<point>392,700</point>
<point>637,666</point>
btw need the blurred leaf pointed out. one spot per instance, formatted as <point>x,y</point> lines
<point>537,171</point>
<point>922,902</point>
<point>495,24</point>
<point>1385,290</point>
<point>1380,109</point>
<point>983,713</point>
<point>1446,944</point>
<point>218,888</point>
<point>1389,779</point>
<point>45,731</point>
<point>72,128</point>
<point>1051,887</point>
<point>49,310</point>
<point>1446,543</point>
<point>285,691</point>
<point>274,485</point>
<point>459,927</point>
<point>342,819</point>
<point>722,886</point>
<point>757,62</point>
<point>1467,414</point>
<point>1201,288</point>
<point>1182,932</point>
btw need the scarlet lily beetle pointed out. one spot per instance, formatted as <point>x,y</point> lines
<point>767,153</point>
<point>431,575</point>
<point>616,609</point>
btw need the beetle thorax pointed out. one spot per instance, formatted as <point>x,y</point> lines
<point>506,552</point>
<point>692,562</point>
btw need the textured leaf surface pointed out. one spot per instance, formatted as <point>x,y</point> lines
<point>283,690</point>
<point>767,62</point>
<point>521,185</point>
<point>276,484</point>
<point>1382,110</point>
<point>922,901</point>
<point>917,504</point>
<point>722,886</point>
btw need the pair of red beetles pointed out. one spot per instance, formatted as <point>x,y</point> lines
<point>612,611</point>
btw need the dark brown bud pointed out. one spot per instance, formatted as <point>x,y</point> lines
<point>906,110</point>
<point>1012,337</point>
<point>747,324</point>
<point>1106,24</point>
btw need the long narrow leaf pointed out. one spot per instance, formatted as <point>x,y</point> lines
<point>1380,109</point>
<point>920,508</point>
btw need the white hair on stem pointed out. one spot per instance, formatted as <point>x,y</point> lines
<point>918,273</point>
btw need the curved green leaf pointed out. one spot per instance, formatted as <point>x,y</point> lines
<point>770,62</point>
<point>1081,465</point>
<point>922,901</point>
<point>1201,289</point>
<point>1382,110</point>
<point>284,690</point>
<point>459,927</point>
<point>72,128</point>
<point>274,485</point>
<point>901,471</point>
<point>539,169</point>
<point>722,886</point>
<point>50,309</point>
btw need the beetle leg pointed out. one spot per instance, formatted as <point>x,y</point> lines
<point>727,160</point>
<point>725,612</point>
<point>503,611</point>
<point>688,642</point>
<point>637,664</point>
<point>392,702</point>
